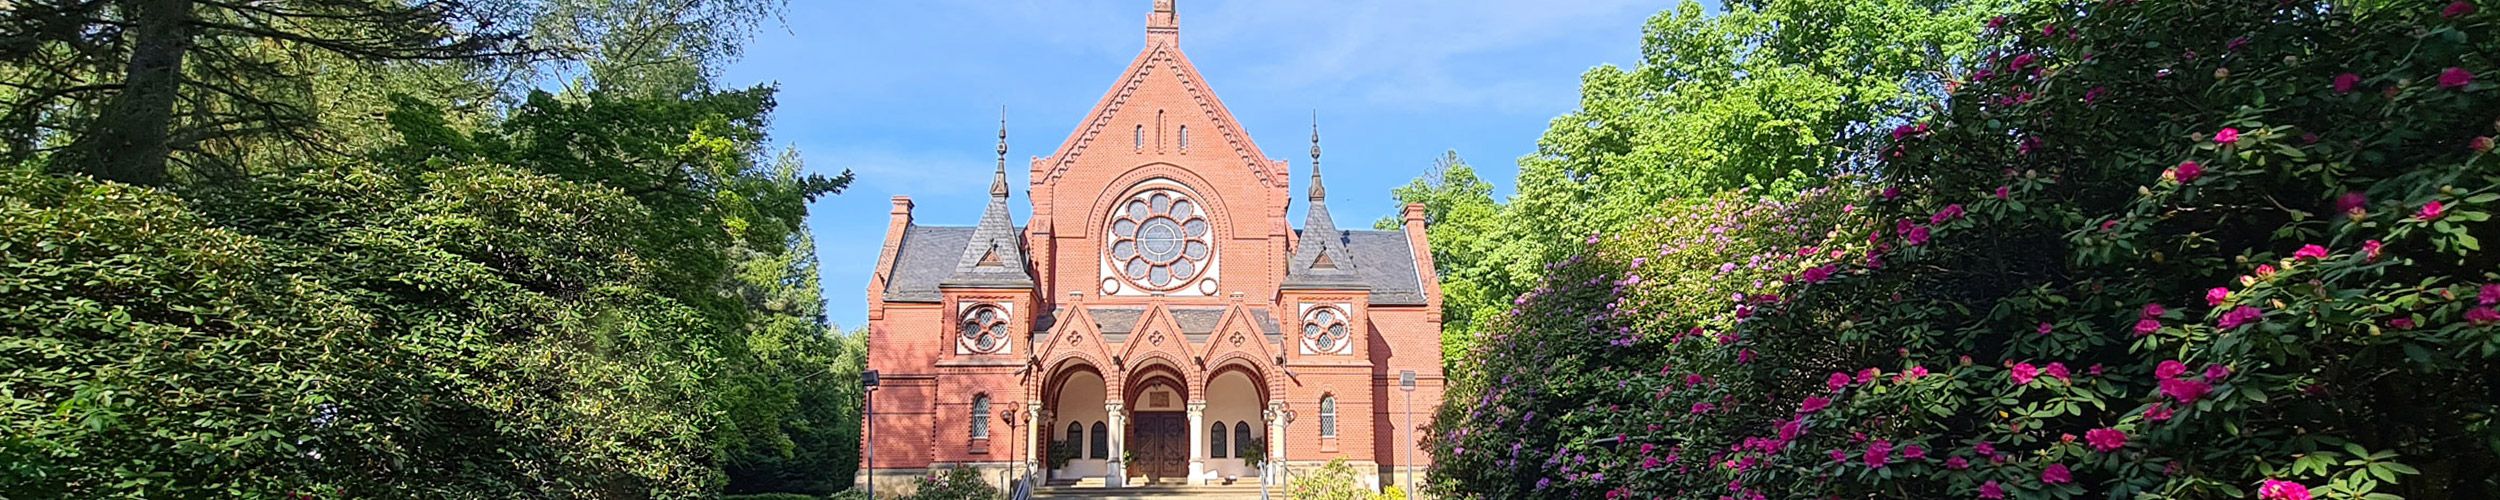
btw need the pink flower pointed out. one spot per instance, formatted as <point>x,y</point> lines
<point>2169,369</point>
<point>1701,408</point>
<point>2158,412</point>
<point>1839,456</point>
<point>2458,9</point>
<point>1949,212</point>
<point>1913,374</point>
<point>2215,373</point>
<point>2287,490</point>
<point>2106,439</point>
<point>1917,236</point>
<point>2240,316</point>
<point>2432,211</point>
<point>1867,376</point>
<point>2147,326</point>
<point>2311,252</point>
<point>2154,310</point>
<point>2351,202</point>
<point>2345,82</point>
<point>2187,171</point>
<point>2401,323</point>
<point>2484,315</point>
<point>2003,191</point>
<point>2227,136</point>
<point>1991,491</point>
<point>2056,474</point>
<point>1957,463</point>
<point>2216,295</point>
<point>1837,381</point>
<point>2058,371</point>
<point>2488,295</point>
<point>1878,453</point>
<point>1985,449</point>
<point>2481,144</point>
<point>2023,373</point>
<point>1814,404</point>
<point>2371,248</point>
<point>1891,192</point>
<point>2044,328</point>
<point>1913,453</point>
<point>2455,77</point>
<point>2185,391</point>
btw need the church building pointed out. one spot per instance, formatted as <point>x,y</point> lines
<point>1156,318</point>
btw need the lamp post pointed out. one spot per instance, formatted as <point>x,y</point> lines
<point>868,409</point>
<point>1406,382</point>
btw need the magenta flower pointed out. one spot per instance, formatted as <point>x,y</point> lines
<point>2105,439</point>
<point>2147,326</point>
<point>2004,191</point>
<point>2154,310</point>
<point>2216,295</point>
<point>1913,374</point>
<point>2489,294</point>
<point>2484,315</point>
<point>2158,412</point>
<point>1991,491</point>
<point>2023,373</point>
<point>1814,404</point>
<point>2458,9</point>
<point>2056,474</point>
<point>2169,369</point>
<point>1985,449</point>
<point>2187,171</point>
<point>1912,452</point>
<point>1839,456</point>
<point>2058,371</point>
<point>2432,211</point>
<point>2401,323</point>
<point>2227,136</point>
<point>1701,408</point>
<point>1891,192</point>
<point>1949,212</point>
<point>2240,316</point>
<point>2371,248</point>
<point>1837,381</point>
<point>1918,236</point>
<point>2345,82</point>
<point>2185,391</point>
<point>2311,252</point>
<point>1878,453</point>
<point>2287,490</point>
<point>1867,376</point>
<point>2352,202</point>
<point>1957,463</point>
<point>2455,77</point>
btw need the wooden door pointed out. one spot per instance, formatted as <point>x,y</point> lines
<point>1162,443</point>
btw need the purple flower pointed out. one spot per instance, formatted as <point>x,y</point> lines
<point>1878,453</point>
<point>2240,316</point>
<point>2056,474</point>
<point>2310,252</point>
<point>2455,77</point>
<point>1814,404</point>
<point>2227,136</point>
<point>2458,9</point>
<point>2106,439</point>
<point>2345,82</point>
<point>2023,373</point>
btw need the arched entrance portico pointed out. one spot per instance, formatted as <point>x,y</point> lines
<point>1159,401</point>
<point>1078,421</point>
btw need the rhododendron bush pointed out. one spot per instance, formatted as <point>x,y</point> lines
<point>2170,248</point>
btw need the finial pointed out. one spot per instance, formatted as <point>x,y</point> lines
<point>1317,191</point>
<point>1163,24</point>
<point>998,186</point>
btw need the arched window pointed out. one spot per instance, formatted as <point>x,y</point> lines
<point>1141,136</point>
<point>1184,137</point>
<point>1215,442</point>
<point>1328,416</point>
<point>1241,439</point>
<point>981,416</point>
<point>1076,437</point>
<point>1102,441</point>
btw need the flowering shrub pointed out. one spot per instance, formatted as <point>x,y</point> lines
<point>2183,249</point>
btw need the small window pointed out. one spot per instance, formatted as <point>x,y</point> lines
<point>1141,137</point>
<point>1076,436</point>
<point>1102,441</point>
<point>981,416</point>
<point>1184,137</point>
<point>1215,442</point>
<point>1328,416</point>
<point>1241,439</point>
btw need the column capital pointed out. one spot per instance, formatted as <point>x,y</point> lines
<point>1197,407</point>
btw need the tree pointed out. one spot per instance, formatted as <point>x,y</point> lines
<point>1459,216</point>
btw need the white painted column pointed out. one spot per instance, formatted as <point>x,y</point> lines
<point>1197,442</point>
<point>1033,425</point>
<point>1276,437</point>
<point>1118,476</point>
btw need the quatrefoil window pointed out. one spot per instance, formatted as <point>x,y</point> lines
<point>1324,330</point>
<point>984,330</point>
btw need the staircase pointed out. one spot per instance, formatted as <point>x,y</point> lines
<point>1093,488</point>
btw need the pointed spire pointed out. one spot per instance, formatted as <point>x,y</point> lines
<point>994,256</point>
<point>1321,260</point>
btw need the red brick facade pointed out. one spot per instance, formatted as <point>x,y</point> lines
<point>1156,287</point>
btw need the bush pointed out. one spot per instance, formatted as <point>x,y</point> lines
<point>772,496</point>
<point>955,483</point>
<point>2161,248</point>
<point>1337,480</point>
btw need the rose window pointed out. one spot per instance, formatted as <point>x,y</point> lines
<point>1160,240</point>
<point>1324,330</point>
<point>984,330</point>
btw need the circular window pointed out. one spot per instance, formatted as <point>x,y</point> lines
<point>1324,329</point>
<point>1160,240</point>
<point>984,330</point>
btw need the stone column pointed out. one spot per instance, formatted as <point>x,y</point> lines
<point>1033,434</point>
<point>1276,436</point>
<point>1050,431</point>
<point>1118,469</point>
<point>1197,442</point>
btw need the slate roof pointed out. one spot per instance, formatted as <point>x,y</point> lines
<point>929,255</point>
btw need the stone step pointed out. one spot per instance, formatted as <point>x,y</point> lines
<point>1238,491</point>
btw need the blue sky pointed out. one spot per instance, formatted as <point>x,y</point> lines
<point>906,93</point>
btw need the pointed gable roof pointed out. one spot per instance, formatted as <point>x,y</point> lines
<point>1321,261</point>
<point>1161,63</point>
<point>994,256</point>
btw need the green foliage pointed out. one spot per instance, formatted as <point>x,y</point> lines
<point>954,483</point>
<point>772,496</point>
<point>1460,215</point>
<point>2232,256</point>
<point>1773,95</point>
<point>1335,481</point>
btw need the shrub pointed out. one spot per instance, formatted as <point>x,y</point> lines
<point>955,483</point>
<point>2160,248</point>
<point>1337,480</point>
<point>772,496</point>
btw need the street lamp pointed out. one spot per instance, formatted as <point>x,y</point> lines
<point>869,409</point>
<point>1406,382</point>
<point>1014,440</point>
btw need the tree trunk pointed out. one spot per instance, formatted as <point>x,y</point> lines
<point>128,142</point>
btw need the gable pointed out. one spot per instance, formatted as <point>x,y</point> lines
<point>1163,65</point>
